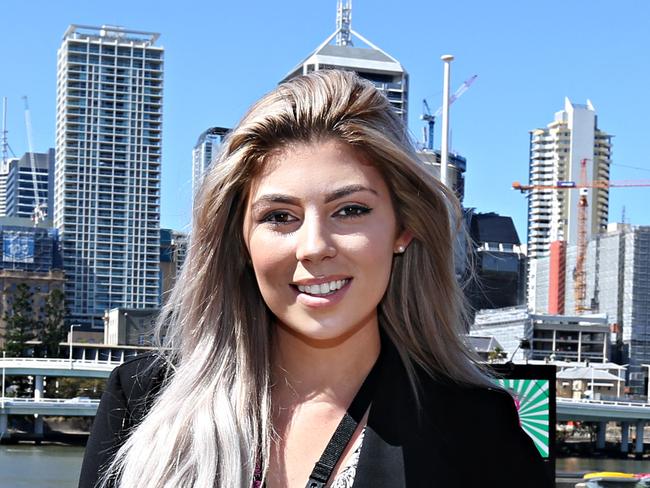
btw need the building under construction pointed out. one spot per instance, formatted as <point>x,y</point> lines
<point>29,255</point>
<point>617,283</point>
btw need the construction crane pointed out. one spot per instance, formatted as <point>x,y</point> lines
<point>40,209</point>
<point>430,118</point>
<point>572,185</point>
<point>579,273</point>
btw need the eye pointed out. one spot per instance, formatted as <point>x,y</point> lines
<point>353,211</point>
<point>279,217</point>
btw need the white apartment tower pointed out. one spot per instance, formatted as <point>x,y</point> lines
<point>107,169</point>
<point>556,153</point>
<point>204,152</point>
<point>369,62</point>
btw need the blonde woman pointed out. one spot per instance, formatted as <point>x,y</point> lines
<point>313,335</point>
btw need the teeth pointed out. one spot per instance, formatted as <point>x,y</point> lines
<point>323,288</point>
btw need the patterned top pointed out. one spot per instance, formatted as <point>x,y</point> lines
<point>345,479</point>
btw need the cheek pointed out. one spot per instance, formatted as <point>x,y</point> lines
<point>373,252</point>
<point>271,259</point>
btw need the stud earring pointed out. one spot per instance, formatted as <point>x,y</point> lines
<point>400,249</point>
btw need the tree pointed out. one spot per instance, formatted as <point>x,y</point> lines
<point>75,387</point>
<point>53,331</point>
<point>19,320</point>
<point>496,354</point>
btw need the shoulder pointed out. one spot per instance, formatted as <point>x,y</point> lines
<point>131,388</point>
<point>461,400</point>
<point>137,381</point>
<point>140,370</point>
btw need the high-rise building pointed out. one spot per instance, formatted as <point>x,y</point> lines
<point>28,178</point>
<point>457,165</point>
<point>499,264</point>
<point>617,266</point>
<point>556,153</point>
<point>370,62</point>
<point>173,249</point>
<point>107,177</point>
<point>4,175</point>
<point>204,152</point>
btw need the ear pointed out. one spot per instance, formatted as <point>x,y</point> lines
<point>402,241</point>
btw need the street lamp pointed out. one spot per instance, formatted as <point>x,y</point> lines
<point>444,147</point>
<point>72,326</point>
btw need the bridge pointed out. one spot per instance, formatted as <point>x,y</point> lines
<point>77,407</point>
<point>39,406</point>
<point>600,411</point>
<point>604,411</point>
<point>78,368</point>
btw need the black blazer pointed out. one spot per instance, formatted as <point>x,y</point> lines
<point>456,436</point>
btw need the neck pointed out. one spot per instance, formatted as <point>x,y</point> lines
<point>310,371</point>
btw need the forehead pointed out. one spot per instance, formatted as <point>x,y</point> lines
<point>315,167</point>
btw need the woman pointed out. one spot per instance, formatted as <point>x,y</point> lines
<point>318,296</point>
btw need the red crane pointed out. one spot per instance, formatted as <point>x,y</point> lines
<point>579,274</point>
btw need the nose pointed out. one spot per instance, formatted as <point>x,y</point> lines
<point>314,239</point>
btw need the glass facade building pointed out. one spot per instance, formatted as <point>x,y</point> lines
<point>499,263</point>
<point>29,255</point>
<point>107,170</point>
<point>32,173</point>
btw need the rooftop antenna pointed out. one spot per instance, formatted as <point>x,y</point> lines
<point>344,23</point>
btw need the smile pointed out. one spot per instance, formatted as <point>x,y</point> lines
<point>323,289</point>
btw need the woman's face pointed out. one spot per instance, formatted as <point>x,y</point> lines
<point>321,231</point>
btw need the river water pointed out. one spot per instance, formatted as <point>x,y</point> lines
<point>53,466</point>
<point>48,466</point>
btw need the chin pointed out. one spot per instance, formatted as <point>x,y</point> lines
<point>319,334</point>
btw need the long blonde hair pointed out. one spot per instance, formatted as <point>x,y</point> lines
<point>211,422</point>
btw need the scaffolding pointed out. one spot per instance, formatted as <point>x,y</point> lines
<point>617,269</point>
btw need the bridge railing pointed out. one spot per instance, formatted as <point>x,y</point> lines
<point>60,360</point>
<point>55,401</point>
<point>602,402</point>
<point>54,362</point>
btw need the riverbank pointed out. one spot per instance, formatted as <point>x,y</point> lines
<point>56,430</point>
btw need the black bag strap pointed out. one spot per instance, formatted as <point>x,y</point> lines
<point>324,467</point>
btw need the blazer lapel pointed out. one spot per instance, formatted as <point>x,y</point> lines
<point>380,463</point>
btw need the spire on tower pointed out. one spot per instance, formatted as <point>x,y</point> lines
<point>344,23</point>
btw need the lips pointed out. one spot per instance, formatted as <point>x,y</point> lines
<point>323,289</point>
<point>316,293</point>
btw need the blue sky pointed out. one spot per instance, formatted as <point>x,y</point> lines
<point>221,56</point>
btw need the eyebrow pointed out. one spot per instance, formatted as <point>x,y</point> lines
<point>347,190</point>
<point>342,192</point>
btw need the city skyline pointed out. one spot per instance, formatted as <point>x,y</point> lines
<point>217,63</point>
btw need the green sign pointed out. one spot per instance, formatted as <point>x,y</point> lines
<point>532,400</point>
